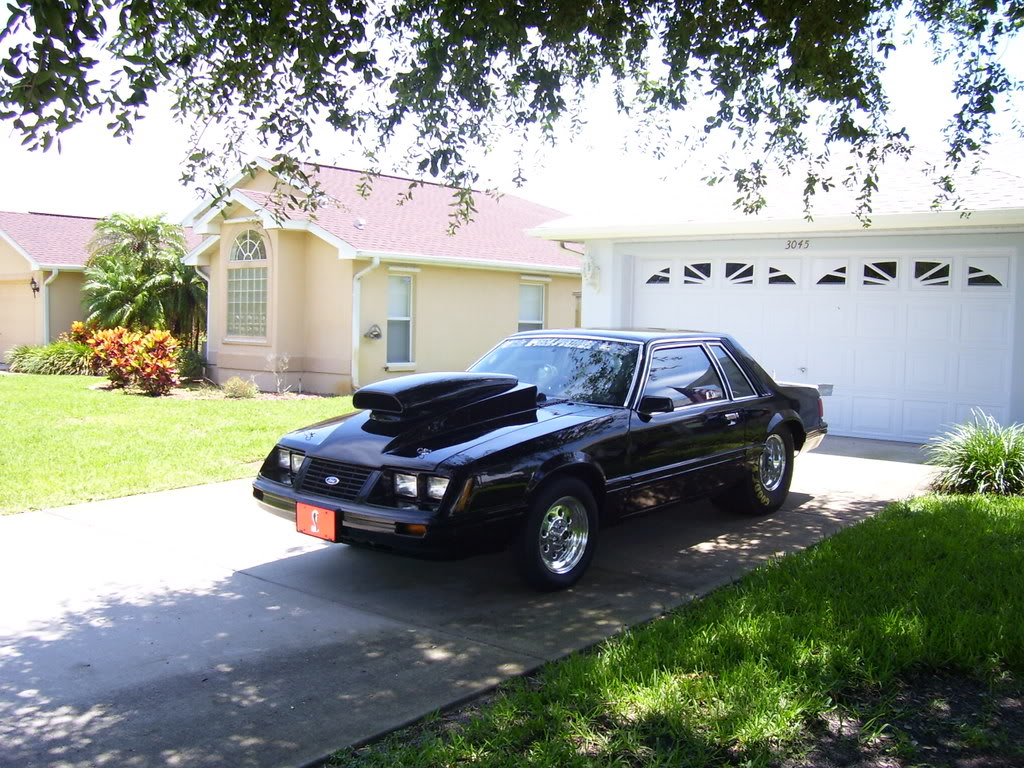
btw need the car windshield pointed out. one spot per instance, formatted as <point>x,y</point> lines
<point>585,370</point>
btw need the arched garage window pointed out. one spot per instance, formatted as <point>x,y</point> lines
<point>247,286</point>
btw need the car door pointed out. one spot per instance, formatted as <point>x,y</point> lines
<point>692,449</point>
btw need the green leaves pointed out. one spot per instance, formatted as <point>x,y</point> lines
<point>437,77</point>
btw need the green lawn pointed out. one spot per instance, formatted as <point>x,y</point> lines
<point>748,674</point>
<point>62,443</point>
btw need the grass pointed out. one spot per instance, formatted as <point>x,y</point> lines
<point>62,443</point>
<point>739,678</point>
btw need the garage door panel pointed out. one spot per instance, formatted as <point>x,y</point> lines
<point>984,324</point>
<point>878,367</point>
<point>965,411</point>
<point>697,312</point>
<point>924,418</point>
<point>878,320</point>
<point>833,318</point>
<point>784,318</point>
<point>829,364</point>
<point>837,413</point>
<point>928,322</point>
<point>929,368</point>
<point>874,416</point>
<point>982,374</point>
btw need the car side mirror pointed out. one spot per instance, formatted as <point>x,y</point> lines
<point>656,405</point>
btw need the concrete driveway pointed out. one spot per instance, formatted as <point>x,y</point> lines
<point>187,628</point>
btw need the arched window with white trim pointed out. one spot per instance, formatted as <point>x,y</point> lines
<point>247,287</point>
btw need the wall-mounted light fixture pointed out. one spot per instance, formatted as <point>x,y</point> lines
<point>374,332</point>
<point>34,286</point>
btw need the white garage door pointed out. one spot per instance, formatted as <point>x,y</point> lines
<point>17,314</point>
<point>911,342</point>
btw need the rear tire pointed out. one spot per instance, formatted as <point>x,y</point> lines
<point>558,539</point>
<point>766,485</point>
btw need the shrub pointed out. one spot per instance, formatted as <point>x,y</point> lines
<point>979,457</point>
<point>149,361</point>
<point>117,348</point>
<point>61,358</point>
<point>242,388</point>
<point>155,367</point>
<point>190,364</point>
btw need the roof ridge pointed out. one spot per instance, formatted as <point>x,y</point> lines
<point>407,178</point>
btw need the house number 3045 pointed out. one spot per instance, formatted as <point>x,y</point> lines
<point>797,245</point>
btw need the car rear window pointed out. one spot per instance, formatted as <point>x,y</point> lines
<point>737,380</point>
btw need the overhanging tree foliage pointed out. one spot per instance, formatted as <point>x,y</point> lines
<point>789,80</point>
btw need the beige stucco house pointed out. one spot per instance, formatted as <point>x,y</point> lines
<point>372,286</point>
<point>42,260</point>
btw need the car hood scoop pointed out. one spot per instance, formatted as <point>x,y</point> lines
<point>425,395</point>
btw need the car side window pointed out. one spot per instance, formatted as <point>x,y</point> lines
<point>737,380</point>
<point>684,374</point>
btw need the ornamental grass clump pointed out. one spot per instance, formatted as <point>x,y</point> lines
<point>980,456</point>
<point>61,358</point>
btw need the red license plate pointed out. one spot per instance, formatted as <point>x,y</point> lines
<point>316,521</point>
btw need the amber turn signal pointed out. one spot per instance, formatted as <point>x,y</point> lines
<point>411,529</point>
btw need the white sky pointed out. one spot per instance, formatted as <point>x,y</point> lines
<point>96,174</point>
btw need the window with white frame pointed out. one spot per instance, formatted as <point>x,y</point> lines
<point>247,287</point>
<point>400,319</point>
<point>531,307</point>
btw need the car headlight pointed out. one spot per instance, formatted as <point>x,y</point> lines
<point>436,486</point>
<point>406,485</point>
<point>288,463</point>
<point>284,458</point>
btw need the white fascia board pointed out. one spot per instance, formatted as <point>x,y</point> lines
<point>32,263</point>
<point>238,178</point>
<point>64,267</point>
<point>449,261</point>
<point>197,256</point>
<point>997,221</point>
<point>271,221</point>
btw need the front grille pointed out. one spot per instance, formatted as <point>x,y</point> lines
<point>351,479</point>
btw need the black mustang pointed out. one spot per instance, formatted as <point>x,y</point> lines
<point>550,433</point>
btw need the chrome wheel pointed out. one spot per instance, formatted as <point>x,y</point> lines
<point>773,463</point>
<point>564,531</point>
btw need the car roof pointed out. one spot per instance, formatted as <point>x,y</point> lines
<point>643,335</point>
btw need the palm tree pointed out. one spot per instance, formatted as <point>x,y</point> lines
<point>135,278</point>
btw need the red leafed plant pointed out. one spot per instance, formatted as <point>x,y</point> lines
<point>149,361</point>
<point>117,348</point>
<point>156,363</point>
<point>80,332</point>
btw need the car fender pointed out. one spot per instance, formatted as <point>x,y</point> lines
<point>576,463</point>
<point>793,421</point>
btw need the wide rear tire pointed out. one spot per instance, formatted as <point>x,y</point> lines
<point>766,485</point>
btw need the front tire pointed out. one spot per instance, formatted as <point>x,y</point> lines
<point>558,540</point>
<point>766,485</point>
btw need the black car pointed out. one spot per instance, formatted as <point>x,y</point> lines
<point>548,435</point>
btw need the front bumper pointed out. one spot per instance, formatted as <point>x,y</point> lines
<point>377,527</point>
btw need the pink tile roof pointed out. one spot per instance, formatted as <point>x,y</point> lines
<point>420,225</point>
<point>57,240</point>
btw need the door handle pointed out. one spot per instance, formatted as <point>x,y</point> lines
<point>734,416</point>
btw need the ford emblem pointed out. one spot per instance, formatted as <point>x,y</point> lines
<point>331,480</point>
